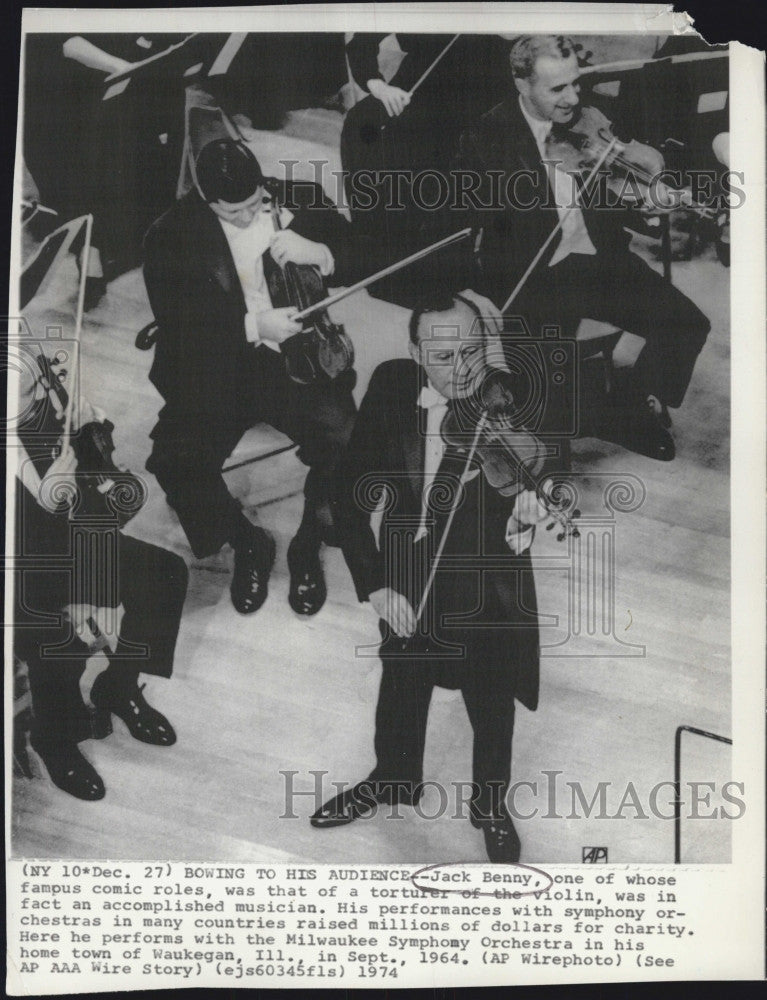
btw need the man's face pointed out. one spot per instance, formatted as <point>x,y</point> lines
<point>551,93</point>
<point>453,350</point>
<point>242,214</point>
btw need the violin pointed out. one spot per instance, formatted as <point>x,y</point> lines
<point>509,455</point>
<point>105,490</point>
<point>322,349</point>
<point>634,168</point>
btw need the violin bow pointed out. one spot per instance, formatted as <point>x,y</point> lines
<point>384,273</point>
<point>75,366</point>
<point>629,64</point>
<point>533,263</point>
<point>119,81</point>
<point>427,72</point>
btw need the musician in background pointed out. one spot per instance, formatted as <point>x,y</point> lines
<point>479,627</point>
<point>588,270</point>
<point>218,367</point>
<point>257,85</point>
<point>388,134</point>
<point>63,561</point>
<point>116,159</point>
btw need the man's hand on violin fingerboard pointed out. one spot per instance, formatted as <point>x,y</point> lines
<point>288,247</point>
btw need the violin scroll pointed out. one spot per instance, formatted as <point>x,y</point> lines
<point>556,497</point>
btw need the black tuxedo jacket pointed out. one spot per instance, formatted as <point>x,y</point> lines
<point>502,141</point>
<point>470,78</point>
<point>202,357</point>
<point>484,598</point>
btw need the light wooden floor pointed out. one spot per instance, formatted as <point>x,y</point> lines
<point>252,697</point>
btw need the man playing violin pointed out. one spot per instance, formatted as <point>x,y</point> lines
<point>66,565</point>
<point>478,630</point>
<point>587,270</point>
<point>218,367</point>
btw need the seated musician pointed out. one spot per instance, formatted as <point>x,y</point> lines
<point>588,270</point>
<point>61,562</point>
<point>388,139</point>
<point>479,629</point>
<point>219,368</point>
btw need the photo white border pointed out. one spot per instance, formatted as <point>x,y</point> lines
<point>734,894</point>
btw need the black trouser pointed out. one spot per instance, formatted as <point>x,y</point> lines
<point>621,289</point>
<point>381,158</point>
<point>402,714</point>
<point>151,586</point>
<point>318,418</point>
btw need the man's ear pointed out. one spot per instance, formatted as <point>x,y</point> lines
<point>415,352</point>
<point>523,86</point>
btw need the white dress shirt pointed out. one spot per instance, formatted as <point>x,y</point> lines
<point>574,237</point>
<point>435,404</point>
<point>248,247</point>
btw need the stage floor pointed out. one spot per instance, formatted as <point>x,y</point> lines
<point>262,701</point>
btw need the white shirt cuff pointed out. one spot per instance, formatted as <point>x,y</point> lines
<point>518,539</point>
<point>251,328</point>
<point>328,264</point>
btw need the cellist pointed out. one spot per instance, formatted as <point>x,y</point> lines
<point>218,367</point>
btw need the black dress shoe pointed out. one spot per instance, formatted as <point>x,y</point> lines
<point>128,703</point>
<point>648,435</point>
<point>68,769</point>
<point>640,429</point>
<point>501,840</point>
<point>351,804</point>
<point>660,410</point>
<point>308,590</point>
<point>253,561</point>
<point>362,800</point>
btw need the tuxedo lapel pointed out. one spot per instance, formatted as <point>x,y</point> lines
<point>526,146</point>
<point>520,148</point>
<point>212,246</point>
<point>412,420</point>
